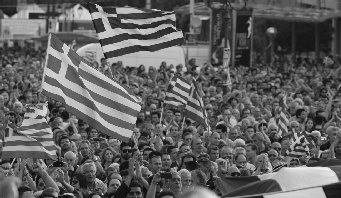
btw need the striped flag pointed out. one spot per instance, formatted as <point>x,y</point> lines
<point>285,180</point>
<point>195,107</point>
<point>33,139</point>
<point>87,93</point>
<point>325,191</point>
<point>282,121</point>
<point>128,30</point>
<point>298,146</point>
<point>177,92</point>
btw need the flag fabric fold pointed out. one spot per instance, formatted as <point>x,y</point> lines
<point>177,92</point>
<point>298,146</point>
<point>90,95</point>
<point>128,30</point>
<point>33,139</point>
<point>194,109</point>
<point>285,180</point>
<point>325,191</point>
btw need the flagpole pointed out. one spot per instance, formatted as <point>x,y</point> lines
<point>183,122</point>
<point>12,162</point>
<point>161,113</point>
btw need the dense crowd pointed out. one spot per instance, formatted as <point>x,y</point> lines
<point>169,156</point>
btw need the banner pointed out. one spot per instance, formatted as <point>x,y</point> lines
<point>242,37</point>
<point>217,42</point>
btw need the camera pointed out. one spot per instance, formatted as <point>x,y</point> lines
<point>58,164</point>
<point>166,175</point>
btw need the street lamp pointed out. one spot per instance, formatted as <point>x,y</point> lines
<point>271,32</point>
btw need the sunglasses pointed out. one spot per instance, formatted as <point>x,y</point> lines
<point>126,151</point>
<point>235,174</point>
<point>272,155</point>
<point>277,149</point>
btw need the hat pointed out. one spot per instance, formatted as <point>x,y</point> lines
<point>316,133</point>
<point>75,137</point>
<point>233,169</point>
<point>203,157</point>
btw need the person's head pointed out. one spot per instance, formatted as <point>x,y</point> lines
<point>174,131</point>
<point>272,154</point>
<point>57,122</point>
<point>295,126</point>
<point>199,192</point>
<point>294,162</point>
<point>25,192</point>
<point>213,152</point>
<point>49,192</point>
<point>85,149</point>
<point>197,145</point>
<point>214,138</point>
<point>83,134</point>
<point>155,161</point>
<point>301,113</point>
<point>108,155</point>
<point>187,138</point>
<point>135,190</point>
<point>64,143</point>
<point>93,133</point>
<point>165,194</point>
<point>234,171</point>
<point>126,150</point>
<point>166,161</point>
<point>226,153</point>
<point>258,139</point>
<point>277,147</point>
<point>17,107</point>
<point>251,151</point>
<point>176,184</point>
<point>184,148</point>
<point>89,171</point>
<point>146,153</point>
<point>70,158</point>
<point>155,116</point>
<point>113,185</point>
<point>173,153</point>
<point>233,134</point>
<point>332,133</point>
<point>199,178</point>
<point>250,130</point>
<point>186,178</point>
<point>240,160</point>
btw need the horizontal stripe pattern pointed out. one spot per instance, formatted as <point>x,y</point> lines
<point>129,30</point>
<point>325,191</point>
<point>34,138</point>
<point>282,122</point>
<point>290,179</point>
<point>90,95</point>
<point>177,92</point>
<point>298,146</point>
<point>195,107</point>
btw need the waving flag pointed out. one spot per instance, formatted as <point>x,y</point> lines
<point>285,180</point>
<point>87,93</point>
<point>195,107</point>
<point>325,191</point>
<point>177,92</point>
<point>298,146</point>
<point>33,139</point>
<point>128,30</point>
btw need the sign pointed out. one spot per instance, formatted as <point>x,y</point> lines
<point>242,37</point>
<point>34,15</point>
<point>37,15</point>
<point>21,28</point>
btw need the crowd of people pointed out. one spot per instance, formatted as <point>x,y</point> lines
<point>169,155</point>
